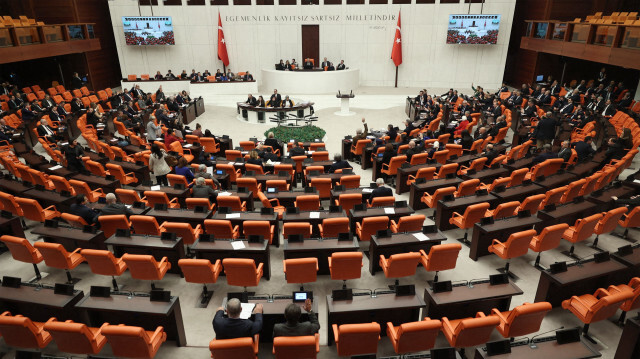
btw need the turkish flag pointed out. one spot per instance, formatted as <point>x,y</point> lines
<point>222,44</point>
<point>396,53</point>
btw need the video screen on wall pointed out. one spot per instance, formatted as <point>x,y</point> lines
<point>473,29</point>
<point>148,30</point>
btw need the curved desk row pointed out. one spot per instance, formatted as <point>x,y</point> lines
<point>311,82</point>
<point>255,114</point>
<point>196,89</point>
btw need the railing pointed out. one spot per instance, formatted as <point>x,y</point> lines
<point>41,34</point>
<point>607,35</point>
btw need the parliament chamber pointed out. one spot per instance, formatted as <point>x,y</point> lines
<point>429,179</point>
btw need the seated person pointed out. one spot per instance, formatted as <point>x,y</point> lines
<point>546,154</point>
<point>339,163</point>
<point>202,172</point>
<point>489,153</point>
<point>308,64</point>
<point>254,159</point>
<point>293,327</point>
<point>583,148</point>
<point>287,102</point>
<point>252,101</point>
<point>113,207</point>
<point>271,141</point>
<point>183,169</point>
<point>296,150</point>
<point>462,125</point>
<point>392,133</point>
<point>341,65</point>
<point>268,155</point>
<point>44,130</point>
<point>202,190</point>
<point>80,209</point>
<point>565,151</point>
<point>232,326</point>
<point>247,76</point>
<point>171,138</point>
<point>380,191</point>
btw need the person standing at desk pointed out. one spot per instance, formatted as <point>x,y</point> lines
<point>251,101</point>
<point>233,326</point>
<point>293,327</point>
<point>73,154</point>
<point>158,165</point>
<point>275,99</point>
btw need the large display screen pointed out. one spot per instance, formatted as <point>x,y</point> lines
<point>148,30</point>
<point>473,29</point>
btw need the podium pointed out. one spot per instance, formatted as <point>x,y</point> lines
<point>344,105</point>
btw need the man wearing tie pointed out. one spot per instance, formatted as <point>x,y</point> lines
<point>247,76</point>
<point>76,105</point>
<point>341,65</point>
<point>14,103</point>
<point>275,99</point>
<point>325,63</point>
<point>251,101</point>
<point>308,64</point>
<point>568,108</point>
<point>45,131</point>
<point>609,109</point>
<point>47,103</point>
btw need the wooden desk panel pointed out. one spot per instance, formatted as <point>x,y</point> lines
<point>252,216</point>
<point>358,216</point>
<point>11,226</point>
<point>305,216</point>
<point>629,345</point>
<point>418,190</point>
<point>483,235</point>
<point>465,301</point>
<point>399,243</point>
<point>518,193</point>
<point>403,175</point>
<point>39,304</point>
<point>567,213</point>
<point>149,245</point>
<point>320,249</point>
<point>71,238</point>
<point>95,182</point>
<point>221,249</point>
<point>550,349</point>
<point>445,210</point>
<point>556,180</point>
<point>180,215</point>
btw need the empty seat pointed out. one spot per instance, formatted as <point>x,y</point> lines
<point>221,228</point>
<point>331,227</point>
<point>506,209</point>
<point>371,226</point>
<point>133,342</point>
<point>608,222</point>
<point>111,223</point>
<point>461,333</point>
<point>33,211</point>
<point>129,196</point>
<point>531,203</point>
<point>400,265</point>
<point>76,338</point>
<point>260,228</point>
<point>553,196</point>
<point>521,320</point>
<point>582,230</point>
<point>350,181</point>
<point>356,339</point>
<point>147,225</point>
<point>300,270</point>
<point>303,228</point>
<point>387,201</point>
<point>201,271</point>
<point>158,197</point>
<point>296,347</point>
<point>408,223</point>
<point>242,272</point>
<point>308,202</point>
<point>548,238</point>
<point>414,336</point>
<point>441,257</point>
<point>516,245</point>
<point>73,220</point>
<point>235,348</point>
<point>467,188</point>
<point>348,200</point>
<point>56,256</point>
<point>573,190</point>
<point>103,262</point>
<point>83,188</point>
<point>145,267</point>
<point>631,303</point>
<point>345,265</point>
<point>21,332</point>
<point>630,220</point>
<point>472,215</point>
<point>184,231</point>
<point>232,202</point>
<point>251,184</point>
<point>22,250</point>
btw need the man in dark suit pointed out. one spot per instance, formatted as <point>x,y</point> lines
<point>76,105</point>
<point>380,191</point>
<point>626,100</point>
<point>293,327</point>
<point>609,109</point>
<point>555,88</point>
<point>80,209</point>
<point>583,148</point>
<point>545,132</point>
<point>408,127</point>
<point>546,154</point>
<point>247,76</point>
<point>392,133</point>
<point>27,114</point>
<point>296,150</point>
<point>14,103</point>
<point>489,153</point>
<point>308,64</point>
<point>338,164</point>
<point>275,99</point>
<point>76,81</point>
<point>36,108</point>
<point>568,108</point>
<point>232,326</point>
<point>113,207</point>
<point>172,105</point>
<point>251,100</point>
<point>170,76</point>
<point>271,140</point>
<point>529,110</point>
<point>341,65</point>
<point>325,63</point>
<point>47,103</point>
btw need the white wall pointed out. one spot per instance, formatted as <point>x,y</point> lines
<point>252,45</point>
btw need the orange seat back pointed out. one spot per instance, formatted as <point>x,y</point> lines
<point>301,270</point>
<point>524,319</point>
<point>200,270</point>
<point>21,249</point>
<point>442,257</point>
<point>19,331</point>
<point>345,265</point>
<point>416,336</point>
<point>400,265</point>
<point>242,272</point>
<point>76,338</point>
<point>103,262</point>
<point>109,224</point>
<point>357,339</point>
<point>133,342</point>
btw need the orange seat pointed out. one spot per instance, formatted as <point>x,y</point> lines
<point>188,234</point>
<point>129,196</point>
<point>320,156</point>
<point>235,348</point>
<point>192,203</point>
<point>145,267</point>
<point>331,227</point>
<point>232,155</point>
<point>548,239</point>
<point>232,202</point>
<point>300,270</point>
<point>516,245</point>
<point>350,181</point>
<point>201,271</point>
<point>499,182</point>
<point>221,228</point>
<point>468,332</point>
<point>583,229</point>
<point>159,197</point>
<point>408,223</point>
<point>590,184</point>
<point>345,265</point>
<point>382,202</point>
<point>476,165</point>
<point>22,250</point>
<point>472,215</point>
<point>608,222</point>
<point>242,272</point>
<point>630,220</point>
<point>73,220</point>
<point>281,185</point>
<point>391,169</point>
<point>41,179</point>
<point>447,169</point>
<point>573,190</point>
<point>247,145</point>
<point>371,226</point>
<point>521,320</point>
<point>467,188</point>
<point>356,339</point>
<point>594,308</point>
<point>21,332</point>
<point>518,176</point>
<point>425,172</point>
<point>414,336</point>
<point>348,200</point>
<point>230,170</point>
<point>118,173</point>
<point>531,203</point>
<point>553,196</point>
<point>255,168</point>
<point>10,204</point>
<point>76,338</point>
<point>56,256</point>
<point>103,262</point>
<point>441,156</point>
<point>400,265</point>
<point>323,186</point>
<point>631,303</point>
<point>503,210</point>
<point>271,203</point>
<point>359,147</point>
<point>33,211</point>
<point>308,202</point>
<point>290,228</point>
<point>431,200</point>
<point>296,347</point>
<point>147,225</point>
<point>62,184</point>
<point>260,228</point>
<point>96,168</point>
<point>209,145</point>
<point>83,188</point>
<point>441,257</point>
<point>133,342</point>
<point>419,159</point>
<point>251,184</point>
<point>109,224</point>
<point>177,179</point>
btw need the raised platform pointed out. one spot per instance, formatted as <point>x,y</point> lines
<point>310,82</point>
<point>253,114</point>
<point>196,89</point>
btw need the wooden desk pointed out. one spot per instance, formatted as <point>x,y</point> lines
<point>578,280</point>
<point>11,226</point>
<point>547,349</point>
<point>180,215</point>
<point>252,216</point>
<point>358,216</point>
<point>150,245</point>
<point>13,186</point>
<point>567,213</point>
<point>288,198</point>
<point>319,248</point>
<point>376,169</point>
<point>62,171</point>
<point>382,309</point>
<point>556,180</point>
<point>403,175</point>
<point>188,113</point>
<point>521,163</point>
<point>632,261</point>
<point>488,175</point>
<point>71,238</point>
<point>244,197</point>
<point>171,192</point>
<point>584,169</point>
<point>465,301</point>
<point>418,190</point>
<point>39,304</point>
<point>50,198</point>
<point>137,311</point>
<point>95,182</point>
<point>445,210</point>
<point>135,211</point>
<point>399,243</point>
<point>324,164</point>
<point>221,249</point>
<point>604,200</point>
<point>629,344</point>
<point>199,102</point>
<point>336,194</point>
<point>335,178</point>
<point>305,216</point>
<point>346,149</point>
<point>501,229</point>
<point>518,193</point>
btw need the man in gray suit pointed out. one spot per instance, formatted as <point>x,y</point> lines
<point>112,207</point>
<point>293,327</point>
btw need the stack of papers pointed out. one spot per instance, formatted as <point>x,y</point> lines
<point>225,193</point>
<point>155,188</point>
<point>389,210</point>
<point>247,309</point>
<point>237,245</point>
<point>233,215</point>
<point>314,214</point>
<point>57,167</point>
<point>420,236</point>
<point>367,190</point>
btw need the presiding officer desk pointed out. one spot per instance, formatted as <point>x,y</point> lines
<point>149,245</point>
<point>310,81</point>
<point>224,248</point>
<point>545,348</point>
<point>255,114</point>
<point>466,300</point>
<point>321,248</point>
<point>400,243</point>
<point>39,302</point>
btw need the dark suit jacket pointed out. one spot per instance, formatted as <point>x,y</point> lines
<point>566,109</point>
<point>339,165</point>
<point>300,329</point>
<point>227,328</point>
<point>115,208</point>
<point>252,101</point>
<point>89,215</point>
<point>546,129</point>
<point>380,192</point>
<point>296,151</point>
<point>42,131</point>
<point>275,100</point>
<point>273,143</point>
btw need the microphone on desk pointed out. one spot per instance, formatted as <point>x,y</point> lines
<point>533,345</point>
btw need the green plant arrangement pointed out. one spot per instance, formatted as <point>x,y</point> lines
<point>302,134</point>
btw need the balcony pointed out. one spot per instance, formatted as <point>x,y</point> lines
<point>21,42</point>
<point>609,43</point>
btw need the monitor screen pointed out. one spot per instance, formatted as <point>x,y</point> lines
<point>148,30</point>
<point>473,29</point>
<point>539,78</point>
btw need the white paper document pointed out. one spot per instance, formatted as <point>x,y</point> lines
<point>420,236</point>
<point>389,210</point>
<point>224,194</point>
<point>314,214</point>
<point>210,170</point>
<point>237,245</point>
<point>233,215</point>
<point>155,188</point>
<point>57,167</point>
<point>367,190</point>
<point>247,309</point>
